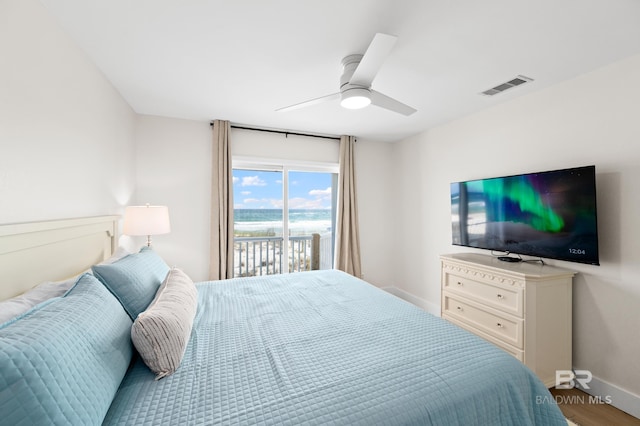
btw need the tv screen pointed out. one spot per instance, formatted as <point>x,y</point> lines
<point>548,214</point>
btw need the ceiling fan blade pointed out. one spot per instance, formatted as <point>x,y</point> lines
<point>331,97</point>
<point>373,59</point>
<point>383,101</point>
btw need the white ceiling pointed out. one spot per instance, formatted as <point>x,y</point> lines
<point>240,60</point>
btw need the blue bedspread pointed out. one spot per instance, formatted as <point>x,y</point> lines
<point>325,348</point>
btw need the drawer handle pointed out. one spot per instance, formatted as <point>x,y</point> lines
<point>499,325</point>
<point>500,296</point>
<point>460,283</point>
<point>459,308</point>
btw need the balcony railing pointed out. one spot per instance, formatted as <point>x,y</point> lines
<point>264,255</point>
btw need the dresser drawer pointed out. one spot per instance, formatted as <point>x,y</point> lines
<point>507,299</point>
<point>503,327</point>
<point>518,353</point>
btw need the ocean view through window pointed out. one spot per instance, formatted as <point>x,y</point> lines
<point>283,220</point>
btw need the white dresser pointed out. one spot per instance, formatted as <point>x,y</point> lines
<point>523,308</point>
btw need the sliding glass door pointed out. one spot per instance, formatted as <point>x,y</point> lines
<point>284,218</point>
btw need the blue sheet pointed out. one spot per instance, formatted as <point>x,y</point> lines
<point>326,348</point>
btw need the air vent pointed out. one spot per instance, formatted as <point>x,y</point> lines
<point>519,80</point>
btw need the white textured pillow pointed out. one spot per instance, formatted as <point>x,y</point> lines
<point>20,304</point>
<point>161,333</point>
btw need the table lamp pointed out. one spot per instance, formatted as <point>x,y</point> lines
<point>146,220</point>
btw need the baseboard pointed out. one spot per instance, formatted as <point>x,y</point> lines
<point>420,303</point>
<point>614,395</point>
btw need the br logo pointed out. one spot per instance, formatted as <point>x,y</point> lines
<point>566,379</point>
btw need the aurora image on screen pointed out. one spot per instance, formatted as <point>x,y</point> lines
<point>547,214</point>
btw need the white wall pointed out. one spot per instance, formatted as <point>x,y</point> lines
<point>66,135</point>
<point>251,143</point>
<point>592,119</point>
<point>174,169</point>
<point>378,221</point>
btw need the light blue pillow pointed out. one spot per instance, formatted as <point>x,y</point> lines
<point>62,361</point>
<point>134,279</point>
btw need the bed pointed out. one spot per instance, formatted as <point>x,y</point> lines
<point>317,347</point>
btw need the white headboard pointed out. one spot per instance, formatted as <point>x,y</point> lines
<point>31,253</point>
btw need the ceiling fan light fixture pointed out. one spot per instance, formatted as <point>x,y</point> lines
<point>358,73</point>
<point>355,98</point>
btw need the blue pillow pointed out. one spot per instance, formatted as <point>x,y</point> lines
<point>134,279</point>
<point>62,361</point>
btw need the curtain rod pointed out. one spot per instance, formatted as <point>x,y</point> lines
<point>282,132</point>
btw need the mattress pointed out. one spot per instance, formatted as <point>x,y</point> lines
<point>323,347</point>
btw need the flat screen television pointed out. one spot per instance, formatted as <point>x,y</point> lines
<point>548,214</point>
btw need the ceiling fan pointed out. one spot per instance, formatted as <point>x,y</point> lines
<point>358,73</point>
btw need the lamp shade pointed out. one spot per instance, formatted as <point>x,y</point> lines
<point>146,220</point>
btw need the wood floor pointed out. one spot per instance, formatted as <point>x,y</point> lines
<point>580,409</point>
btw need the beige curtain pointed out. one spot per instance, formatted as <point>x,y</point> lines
<point>347,230</point>
<point>221,204</point>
